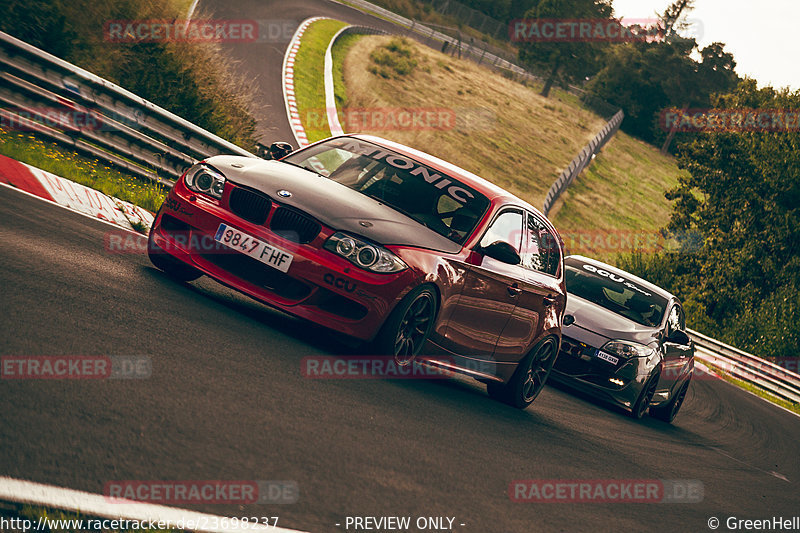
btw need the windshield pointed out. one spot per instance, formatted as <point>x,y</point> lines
<point>437,201</point>
<point>614,292</point>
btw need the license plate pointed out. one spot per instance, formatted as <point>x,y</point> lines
<point>606,357</point>
<point>255,248</point>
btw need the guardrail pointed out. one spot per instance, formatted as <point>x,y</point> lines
<point>581,161</point>
<point>435,39</point>
<point>75,108</point>
<point>747,367</point>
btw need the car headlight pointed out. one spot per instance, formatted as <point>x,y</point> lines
<point>363,254</point>
<point>203,179</point>
<point>628,349</point>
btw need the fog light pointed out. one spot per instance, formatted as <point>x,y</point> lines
<point>617,381</point>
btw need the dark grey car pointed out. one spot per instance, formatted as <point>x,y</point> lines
<point>624,340</point>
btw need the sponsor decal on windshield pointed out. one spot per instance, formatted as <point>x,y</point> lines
<point>613,277</point>
<point>453,189</point>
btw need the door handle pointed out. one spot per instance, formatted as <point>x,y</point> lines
<point>514,290</point>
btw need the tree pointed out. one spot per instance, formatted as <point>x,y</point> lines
<point>741,196</point>
<point>571,59</point>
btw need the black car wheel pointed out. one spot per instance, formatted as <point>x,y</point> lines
<point>668,412</point>
<point>645,397</point>
<point>529,378</point>
<point>172,267</point>
<point>408,327</point>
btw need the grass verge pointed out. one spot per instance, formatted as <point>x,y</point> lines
<point>500,129</point>
<point>90,172</point>
<point>617,203</point>
<point>308,77</point>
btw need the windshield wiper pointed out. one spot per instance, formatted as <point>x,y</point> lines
<point>304,168</point>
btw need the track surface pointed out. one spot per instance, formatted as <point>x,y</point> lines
<point>227,401</point>
<point>261,62</point>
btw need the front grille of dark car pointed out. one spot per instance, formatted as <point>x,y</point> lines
<point>294,226</point>
<point>571,346</point>
<point>249,205</point>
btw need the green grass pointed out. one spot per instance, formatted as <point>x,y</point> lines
<point>621,194</point>
<point>791,406</point>
<point>504,130</point>
<point>339,51</point>
<point>90,172</point>
<point>308,77</point>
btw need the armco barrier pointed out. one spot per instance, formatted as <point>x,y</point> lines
<point>129,131</point>
<point>747,367</point>
<point>581,161</point>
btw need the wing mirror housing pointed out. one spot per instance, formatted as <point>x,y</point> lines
<point>679,337</point>
<point>501,251</point>
<point>277,150</point>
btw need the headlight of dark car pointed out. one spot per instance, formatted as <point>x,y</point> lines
<point>205,180</point>
<point>363,254</point>
<point>627,349</point>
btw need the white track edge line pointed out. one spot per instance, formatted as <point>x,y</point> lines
<point>330,99</point>
<point>86,503</point>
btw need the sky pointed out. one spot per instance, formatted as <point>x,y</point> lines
<point>762,35</point>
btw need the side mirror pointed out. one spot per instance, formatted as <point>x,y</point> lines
<point>279,150</point>
<point>679,337</point>
<point>502,251</point>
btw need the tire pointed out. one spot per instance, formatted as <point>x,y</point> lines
<point>529,378</point>
<point>174,268</point>
<point>405,331</point>
<point>667,413</point>
<point>645,397</point>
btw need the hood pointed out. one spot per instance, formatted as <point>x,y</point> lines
<point>605,323</point>
<point>333,204</point>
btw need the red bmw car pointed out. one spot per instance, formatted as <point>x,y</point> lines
<point>384,243</point>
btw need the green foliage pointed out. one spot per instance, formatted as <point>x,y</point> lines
<point>741,200</point>
<point>394,59</point>
<point>192,80</point>
<point>646,78</point>
<point>571,60</point>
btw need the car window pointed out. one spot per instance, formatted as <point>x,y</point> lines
<point>440,202</point>
<point>614,292</point>
<point>540,251</point>
<point>507,227</point>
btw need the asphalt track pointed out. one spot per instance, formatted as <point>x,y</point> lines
<point>227,400</point>
<point>261,62</point>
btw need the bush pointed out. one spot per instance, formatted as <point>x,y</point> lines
<point>192,80</point>
<point>393,59</point>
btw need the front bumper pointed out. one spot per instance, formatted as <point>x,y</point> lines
<point>319,286</point>
<point>579,366</point>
